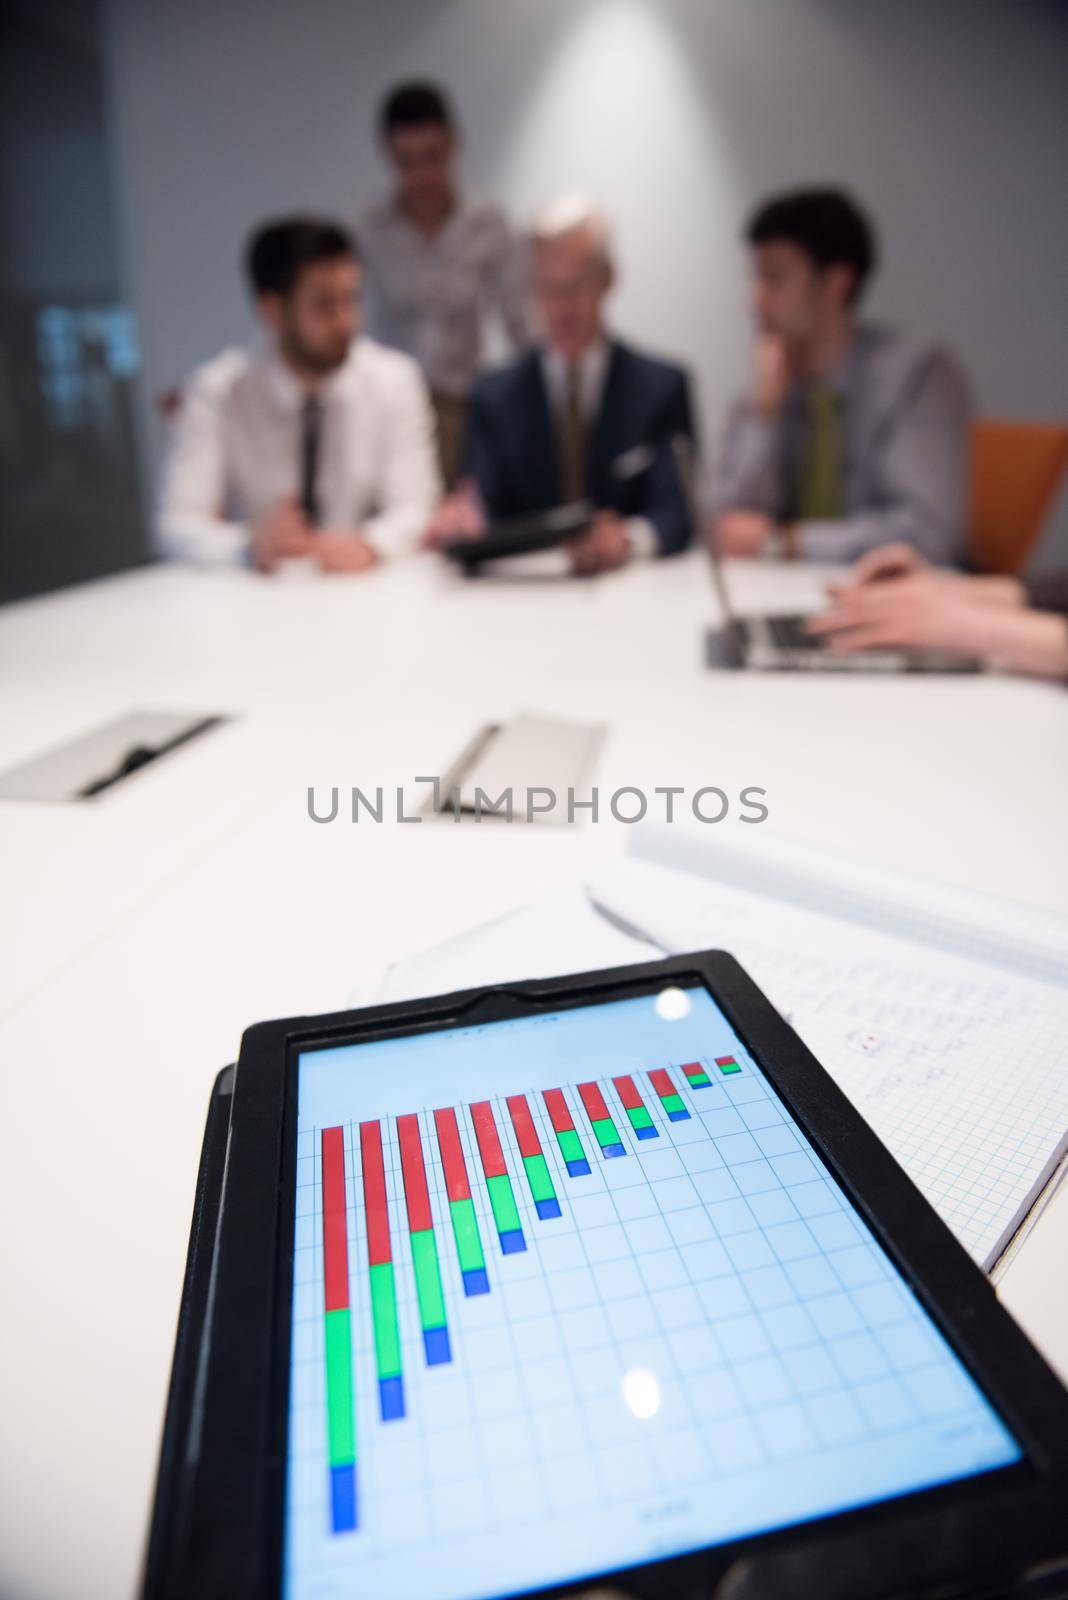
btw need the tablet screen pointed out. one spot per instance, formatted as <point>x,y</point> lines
<point>574,1292</point>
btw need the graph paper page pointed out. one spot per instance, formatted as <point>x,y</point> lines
<point>572,1293</point>
<point>958,1064</point>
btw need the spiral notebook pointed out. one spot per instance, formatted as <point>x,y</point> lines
<point>942,1014</point>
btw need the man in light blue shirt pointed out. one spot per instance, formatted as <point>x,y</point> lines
<point>852,434</point>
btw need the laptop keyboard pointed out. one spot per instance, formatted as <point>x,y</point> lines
<point>788,633</point>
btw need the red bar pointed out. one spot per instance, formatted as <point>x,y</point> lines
<point>692,1066</point>
<point>722,1061</point>
<point>523,1123</point>
<point>489,1144</point>
<point>661,1082</point>
<point>415,1189</point>
<point>374,1194</point>
<point>556,1106</point>
<point>628,1093</point>
<point>593,1100</point>
<point>335,1232</point>
<point>452,1154</point>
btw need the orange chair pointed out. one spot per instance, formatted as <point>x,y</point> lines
<point>1016,471</point>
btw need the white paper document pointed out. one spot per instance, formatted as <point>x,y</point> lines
<point>943,1016</point>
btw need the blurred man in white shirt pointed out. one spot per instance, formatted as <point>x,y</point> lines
<point>319,444</point>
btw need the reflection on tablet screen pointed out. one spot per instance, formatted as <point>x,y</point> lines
<point>573,1292</point>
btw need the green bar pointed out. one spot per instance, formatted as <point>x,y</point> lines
<point>697,1079</point>
<point>384,1313</point>
<point>673,1102</point>
<point>428,1279</point>
<point>639,1117</point>
<point>606,1131</point>
<point>339,1407</point>
<point>541,1185</point>
<point>466,1234</point>
<point>505,1213</point>
<point>730,1066</point>
<point>570,1145</point>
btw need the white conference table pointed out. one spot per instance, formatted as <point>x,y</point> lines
<point>144,931</point>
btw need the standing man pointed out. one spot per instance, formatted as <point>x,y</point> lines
<point>439,259</point>
<point>852,435</point>
<point>582,416</point>
<point>320,443</point>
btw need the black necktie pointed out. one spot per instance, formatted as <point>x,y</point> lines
<point>311,427</point>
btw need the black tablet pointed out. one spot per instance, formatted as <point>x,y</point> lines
<point>520,536</point>
<point>591,1281</point>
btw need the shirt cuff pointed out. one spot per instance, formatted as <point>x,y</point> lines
<point>394,534</point>
<point>644,544</point>
<point>205,541</point>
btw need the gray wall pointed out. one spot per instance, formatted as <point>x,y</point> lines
<point>950,118</point>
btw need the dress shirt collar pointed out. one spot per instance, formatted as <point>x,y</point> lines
<point>844,378</point>
<point>286,389</point>
<point>593,371</point>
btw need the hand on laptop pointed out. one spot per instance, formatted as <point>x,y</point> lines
<point>604,546</point>
<point>894,561</point>
<point>885,561</point>
<point>915,612</point>
<point>984,617</point>
<point>459,516</point>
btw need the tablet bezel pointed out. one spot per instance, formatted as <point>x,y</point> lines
<point>996,1520</point>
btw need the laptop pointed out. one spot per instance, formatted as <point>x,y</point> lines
<point>781,643</point>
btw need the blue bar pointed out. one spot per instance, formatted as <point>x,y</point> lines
<point>437,1347</point>
<point>646,1133</point>
<point>578,1169</point>
<point>391,1398</point>
<point>512,1242</point>
<point>547,1208</point>
<point>343,1498</point>
<point>613,1150</point>
<point>678,1116</point>
<point>476,1281</point>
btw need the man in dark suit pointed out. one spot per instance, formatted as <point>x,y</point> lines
<point>581,416</point>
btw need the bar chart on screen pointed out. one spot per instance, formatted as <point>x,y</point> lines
<point>569,1296</point>
<point>471,1265</point>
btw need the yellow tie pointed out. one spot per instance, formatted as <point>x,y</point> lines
<point>819,492</point>
<point>572,439</point>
